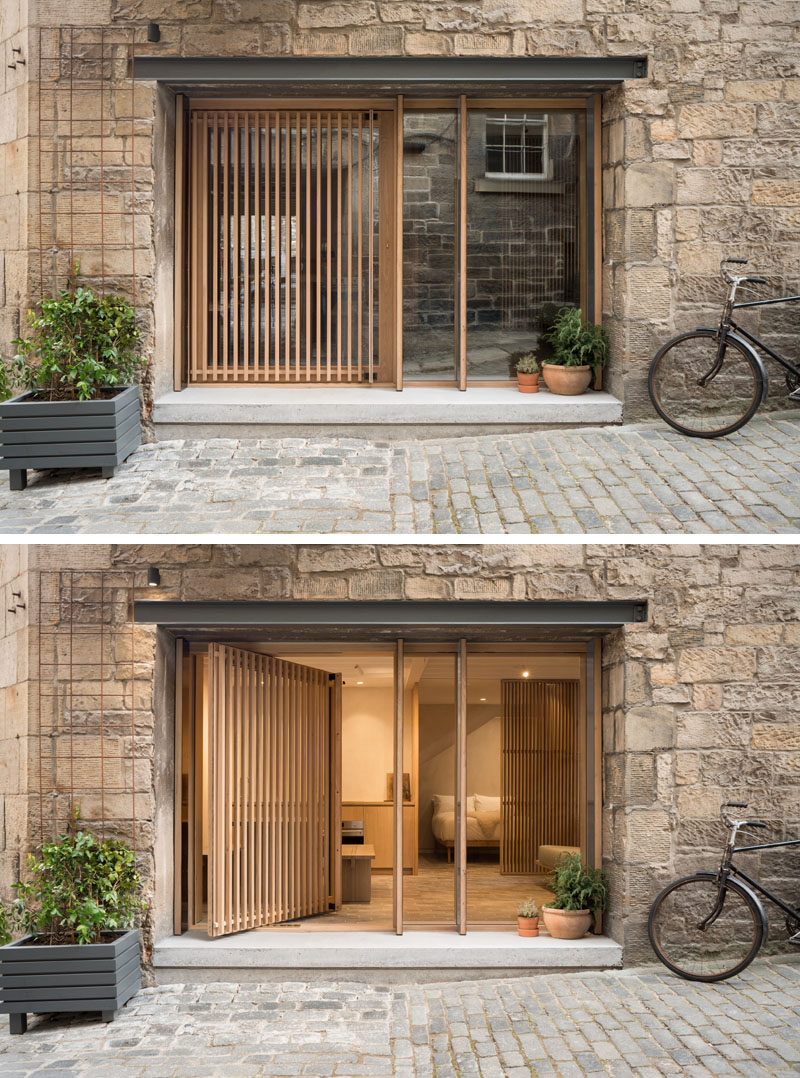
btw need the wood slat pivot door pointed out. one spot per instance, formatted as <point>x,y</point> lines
<point>541,770</point>
<point>287,251</point>
<point>273,735</point>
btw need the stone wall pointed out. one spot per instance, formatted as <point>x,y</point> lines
<point>700,704</point>
<point>14,712</point>
<point>700,159</point>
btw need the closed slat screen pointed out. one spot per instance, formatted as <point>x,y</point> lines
<point>270,738</point>
<point>541,770</point>
<point>283,254</point>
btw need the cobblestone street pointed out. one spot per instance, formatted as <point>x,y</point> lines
<point>639,1022</point>
<point>641,478</point>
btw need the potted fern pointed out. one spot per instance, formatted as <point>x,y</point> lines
<point>528,918</point>
<point>80,405</point>
<point>78,951</point>
<point>528,373</point>
<point>580,893</point>
<point>580,350</point>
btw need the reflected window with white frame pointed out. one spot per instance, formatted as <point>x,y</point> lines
<point>516,148</point>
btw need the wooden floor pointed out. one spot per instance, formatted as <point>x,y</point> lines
<point>428,897</point>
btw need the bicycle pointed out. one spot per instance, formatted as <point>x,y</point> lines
<point>710,926</point>
<point>710,382</point>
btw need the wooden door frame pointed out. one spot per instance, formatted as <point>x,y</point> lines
<point>186,655</point>
<point>391,111</point>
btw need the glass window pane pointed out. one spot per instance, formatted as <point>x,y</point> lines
<point>523,234</point>
<point>430,697</point>
<point>429,163</point>
<point>523,777</point>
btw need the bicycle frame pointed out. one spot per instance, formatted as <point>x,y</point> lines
<point>727,868</point>
<point>729,324</point>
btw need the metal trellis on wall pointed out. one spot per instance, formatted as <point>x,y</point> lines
<point>86,127</point>
<point>88,690</point>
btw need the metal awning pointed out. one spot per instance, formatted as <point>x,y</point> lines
<point>341,619</point>
<point>395,73</point>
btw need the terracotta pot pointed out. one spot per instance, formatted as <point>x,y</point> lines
<point>528,926</point>
<point>566,924</point>
<point>528,383</point>
<point>566,381</point>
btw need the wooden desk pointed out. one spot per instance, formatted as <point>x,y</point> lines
<point>357,872</point>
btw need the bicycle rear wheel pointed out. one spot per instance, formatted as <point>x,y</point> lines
<point>703,934</point>
<point>728,399</point>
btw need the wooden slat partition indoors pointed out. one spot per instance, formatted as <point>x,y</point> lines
<point>272,739</point>
<point>284,244</point>
<point>541,801</point>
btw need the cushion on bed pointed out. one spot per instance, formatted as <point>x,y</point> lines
<point>486,804</point>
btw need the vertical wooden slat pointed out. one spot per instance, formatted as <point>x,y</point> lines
<point>398,253</point>
<point>287,245</point>
<point>177,785</point>
<point>205,280</point>
<point>299,224</point>
<point>333,801</point>
<point>339,246</point>
<point>461,789</point>
<point>349,208</point>
<point>597,195</point>
<point>371,252</point>
<point>318,230</point>
<point>215,266</point>
<point>275,245</point>
<point>307,234</point>
<point>328,194</point>
<point>360,257</point>
<point>256,246</point>
<point>236,243</point>
<point>399,717</point>
<point>461,224</point>
<point>247,245</point>
<point>273,787</point>
<point>225,163</point>
<point>179,335</point>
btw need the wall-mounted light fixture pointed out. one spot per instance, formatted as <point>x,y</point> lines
<point>153,577</point>
<point>526,673</point>
<point>153,31</point>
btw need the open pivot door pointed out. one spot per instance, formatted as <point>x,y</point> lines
<point>275,790</point>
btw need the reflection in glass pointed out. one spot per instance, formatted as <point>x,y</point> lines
<point>429,170</point>
<point>523,169</point>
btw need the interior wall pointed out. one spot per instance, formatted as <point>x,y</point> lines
<point>437,755</point>
<point>367,742</point>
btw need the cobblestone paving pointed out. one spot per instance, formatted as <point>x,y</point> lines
<point>642,478</point>
<point>640,1022</point>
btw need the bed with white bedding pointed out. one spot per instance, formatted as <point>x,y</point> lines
<point>483,821</point>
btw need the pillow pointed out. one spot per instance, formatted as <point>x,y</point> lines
<point>486,804</point>
<point>447,803</point>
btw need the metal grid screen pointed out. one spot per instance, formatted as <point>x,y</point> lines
<point>89,207</point>
<point>88,690</point>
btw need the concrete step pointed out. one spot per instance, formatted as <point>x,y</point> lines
<point>371,412</point>
<point>376,956</point>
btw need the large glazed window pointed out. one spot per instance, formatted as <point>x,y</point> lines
<point>523,230</point>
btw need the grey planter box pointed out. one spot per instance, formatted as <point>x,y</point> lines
<point>68,434</point>
<point>44,979</point>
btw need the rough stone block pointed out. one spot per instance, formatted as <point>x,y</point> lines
<point>648,728</point>
<point>716,120</point>
<point>775,192</point>
<point>323,15</point>
<point>783,737</point>
<point>376,584</point>
<point>648,294</point>
<point>647,836</point>
<point>717,664</point>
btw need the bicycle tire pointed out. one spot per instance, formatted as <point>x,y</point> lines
<point>709,882</point>
<point>672,383</point>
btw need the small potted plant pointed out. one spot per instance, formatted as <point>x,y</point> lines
<point>580,350</point>
<point>580,893</point>
<point>80,408</point>
<point>528,918</point>
<point>528,373</point>
<point>80,952</point>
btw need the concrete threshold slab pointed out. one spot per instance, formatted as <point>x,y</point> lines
<point>330,411</point>
<point>376,956</point>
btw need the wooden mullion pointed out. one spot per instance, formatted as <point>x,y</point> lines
<point>328,363</point>
<point>398,254</point>
<point>338,247</point>
<point>318,230</point>
<point>360,259</point>
<point>307,242</point>
<point>287,248</point>
<point>247,251</point>
<point>461,247</point>
<point>461,788</point>
<point>399,721</point>
<point>371,253</point>
<point>179,249</point>
<point>275,248</point>
<point>349,208</point>
<point>298,293</point>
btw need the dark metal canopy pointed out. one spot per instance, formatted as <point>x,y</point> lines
<point>391,619</point>
<point>395,73</point>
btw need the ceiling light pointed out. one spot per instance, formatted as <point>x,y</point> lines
<point>526,673</point>
<point>483,699</point>
<point>359,683</point>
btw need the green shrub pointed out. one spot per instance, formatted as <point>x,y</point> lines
<point>577,886</point>
<point>80,888</point>
<point>79,344</point>
<point>527,908</point>
<point>577,343</point>
<point>527,363</point>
